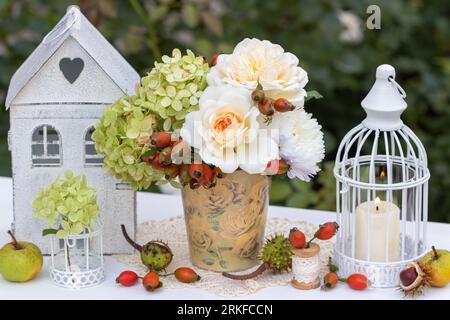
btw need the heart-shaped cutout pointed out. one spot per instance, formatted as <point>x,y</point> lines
<point>71,68</point>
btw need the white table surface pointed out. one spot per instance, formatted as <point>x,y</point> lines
<point>155,207</point>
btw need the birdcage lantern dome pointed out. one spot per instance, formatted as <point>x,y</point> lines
<point>382,178</point>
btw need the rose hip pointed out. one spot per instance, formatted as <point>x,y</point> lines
<point>357,281</point>
<point>283,105</point>
<point>297,238</point>
<point>326,231</point>
<point>330,281</point>
<point>151,281</point>
<point>161,139</point>
<point>186,275</point>
<point>127,278</point>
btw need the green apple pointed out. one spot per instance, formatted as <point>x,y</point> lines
<point>20,261</point>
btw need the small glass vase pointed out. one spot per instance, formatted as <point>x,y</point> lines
<point>225,224</point>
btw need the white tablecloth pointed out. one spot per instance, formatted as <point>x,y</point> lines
<point>156,206</point>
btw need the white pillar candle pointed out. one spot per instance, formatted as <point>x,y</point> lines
<point>380,221</point>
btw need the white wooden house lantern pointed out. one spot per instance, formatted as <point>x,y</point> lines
<point>55,98</point>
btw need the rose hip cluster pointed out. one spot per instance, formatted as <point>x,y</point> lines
<point>151,280</point>
<point>195,174</point>
<point>267,106</point>
<point>161,142</point>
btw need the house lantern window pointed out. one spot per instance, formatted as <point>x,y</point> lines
<point>91,157</point>
<point>46,147</point>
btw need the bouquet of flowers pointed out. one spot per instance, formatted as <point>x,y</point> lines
<point>190,122</point>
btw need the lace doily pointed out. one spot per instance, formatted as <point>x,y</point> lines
<point>173,231</point>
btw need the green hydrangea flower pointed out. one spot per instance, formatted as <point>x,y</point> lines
<point>120,137</point>
<point>173,87</point>
<point>68,202</point>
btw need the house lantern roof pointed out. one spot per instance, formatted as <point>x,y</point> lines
<point>74,24</point>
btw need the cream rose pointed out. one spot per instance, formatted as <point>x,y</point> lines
<point>226,131</point>
<point>254,61</point>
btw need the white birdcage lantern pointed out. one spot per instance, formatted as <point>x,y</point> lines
<point>77,260</point>
<point>382,189</point>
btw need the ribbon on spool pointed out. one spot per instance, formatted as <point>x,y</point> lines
<point>306,267</point>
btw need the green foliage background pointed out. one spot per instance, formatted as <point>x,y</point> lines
<point>414,37</point>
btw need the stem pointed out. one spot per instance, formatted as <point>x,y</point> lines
<point>309,242</point>
<point>14,242</point>
<point>129,240</point>
<point>153,37</point>
<point>166,274</point>
<point>436,256</point>
<point>69,264</point>
<point>251,275</point>
<point>343,279</point>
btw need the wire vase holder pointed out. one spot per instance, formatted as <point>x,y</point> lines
<point>77,260</point>
<point>382,189</point>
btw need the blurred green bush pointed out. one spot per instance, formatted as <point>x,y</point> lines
<point>329,36</point>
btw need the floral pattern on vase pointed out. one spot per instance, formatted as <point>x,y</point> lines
<point>225,224</point>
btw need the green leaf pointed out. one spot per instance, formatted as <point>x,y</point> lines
<point>175,184</point>
<point>46,232</point>
<point>313,94</point>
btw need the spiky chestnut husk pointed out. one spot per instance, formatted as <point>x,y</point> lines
<point>155,255</point>
<point>276,255</point>
<point>414,278</point>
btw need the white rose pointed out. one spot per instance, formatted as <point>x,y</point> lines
<point>254,61</point>
<point>226,131</point>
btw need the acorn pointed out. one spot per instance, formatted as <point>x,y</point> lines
<point>266,107</point>
<point>283,105</point>
<point>258,94</point>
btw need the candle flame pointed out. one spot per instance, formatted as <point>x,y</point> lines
<point>377,200</point>
<point>382,174</point>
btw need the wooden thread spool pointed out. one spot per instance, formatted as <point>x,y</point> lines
<point>306,267</point>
